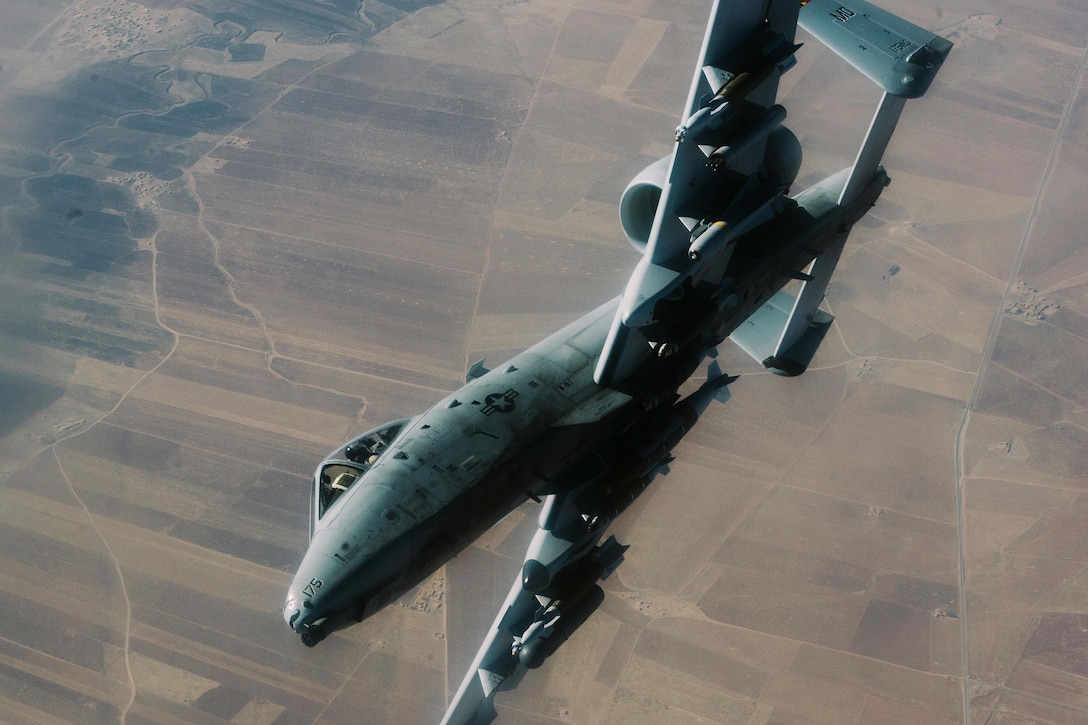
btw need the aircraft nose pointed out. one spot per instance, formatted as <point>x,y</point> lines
<point>291,611</point>
<point>311,626</point>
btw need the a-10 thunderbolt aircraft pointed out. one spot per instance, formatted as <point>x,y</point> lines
<point>586,418</point>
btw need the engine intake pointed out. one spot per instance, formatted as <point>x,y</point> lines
<point>638,205</point>
<point>782,157</point>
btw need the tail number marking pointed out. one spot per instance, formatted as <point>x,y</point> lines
<point>842,14</point>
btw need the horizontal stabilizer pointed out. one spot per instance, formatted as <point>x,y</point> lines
<point>796,359</point>
<point>761,334</point>
<point>897,55</point>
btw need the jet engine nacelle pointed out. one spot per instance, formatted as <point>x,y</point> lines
<point>781,157</point>
<point>638,205</point>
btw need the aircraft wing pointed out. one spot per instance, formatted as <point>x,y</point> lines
<point>554,593</point>
<point>473,703</point>
<point>747,46</point>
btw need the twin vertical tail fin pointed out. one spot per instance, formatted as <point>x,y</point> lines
<point>897,55</point>
<point>901,58</point>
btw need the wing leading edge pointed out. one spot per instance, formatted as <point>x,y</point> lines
<point>555,592</point>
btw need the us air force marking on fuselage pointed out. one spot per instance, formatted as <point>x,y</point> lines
<point>499,402</point>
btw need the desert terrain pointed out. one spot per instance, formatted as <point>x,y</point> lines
<point>234,234</point>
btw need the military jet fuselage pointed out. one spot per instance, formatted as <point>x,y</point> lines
<point>588,417</point>
<point>394,504</point>
<point>397,502</point>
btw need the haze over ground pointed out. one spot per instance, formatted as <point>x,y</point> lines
<point>233,235</point>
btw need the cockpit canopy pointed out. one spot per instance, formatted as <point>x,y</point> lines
<point>346,465</point>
